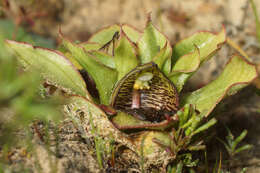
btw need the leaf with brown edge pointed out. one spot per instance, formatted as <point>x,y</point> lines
<point>104,58</point>
<point>124,121</point>
<point>132,33</point>
<point>150,44</point>
<point>162,59</point>
<point>53,66</point>
<point>237,74</point>
<point>88,46</point>
<point>104,35</point>
<point>207,43</point>
<point>190,53</point>
<point>104,76</point>
<point>188,62</point>
<point>183,68</point>
<point>125,56</point>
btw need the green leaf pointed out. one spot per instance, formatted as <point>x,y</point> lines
<point>105,35</point>
<point>184,114</point>
<point>94,50</point>
<point>150,44</point>
<point>133,34</point>
<point>162,59</point>
<point>52,65</point>
<point>205,126</point>
<point>207,43</point>
<point>188,54</point>
<point>238,72</point>
<point>126,121</point>
<point>243,148</point>
<point>179,167</point>
<point>194,121</point>
<point>125,56</point>
<point>188,62</point>
<point>104,76</point>
<point>257,22</point>
<point>90,46</point>
<point>239,139</point>
<point>179,79</point>
<point>184,68</point>
<point>104,58</point>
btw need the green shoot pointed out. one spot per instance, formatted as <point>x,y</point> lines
<point>257,22</point>
<point>231,143</point>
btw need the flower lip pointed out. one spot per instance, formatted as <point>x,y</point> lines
<point>152,102</point>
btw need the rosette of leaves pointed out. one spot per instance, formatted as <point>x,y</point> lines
<point>122,60</point>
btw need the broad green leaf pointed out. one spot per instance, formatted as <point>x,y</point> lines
<point>150,44</point>
<point>179,79</point>
<point>68,55</point>
<point>126,121</point>
<point>104,58</point>
<point>162,59</point>
<point>104,76</point>
<point>90,46</point>
<point>105,35</point>
<point>237,73</point>
<point>207,43</point>
<point>184,68</point>
<point>133,34</point>
<point>53,66</point>
<point>190,53</point>
<point>167,66</point>
<point>125,56</point>
<point>93,47</point>
<point>72,60</point>
<point>188,62</point>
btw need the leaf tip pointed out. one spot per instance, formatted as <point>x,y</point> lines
<point>60,34</point>
<point>149,18</point>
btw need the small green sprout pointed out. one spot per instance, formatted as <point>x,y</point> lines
<point>232,143</point>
